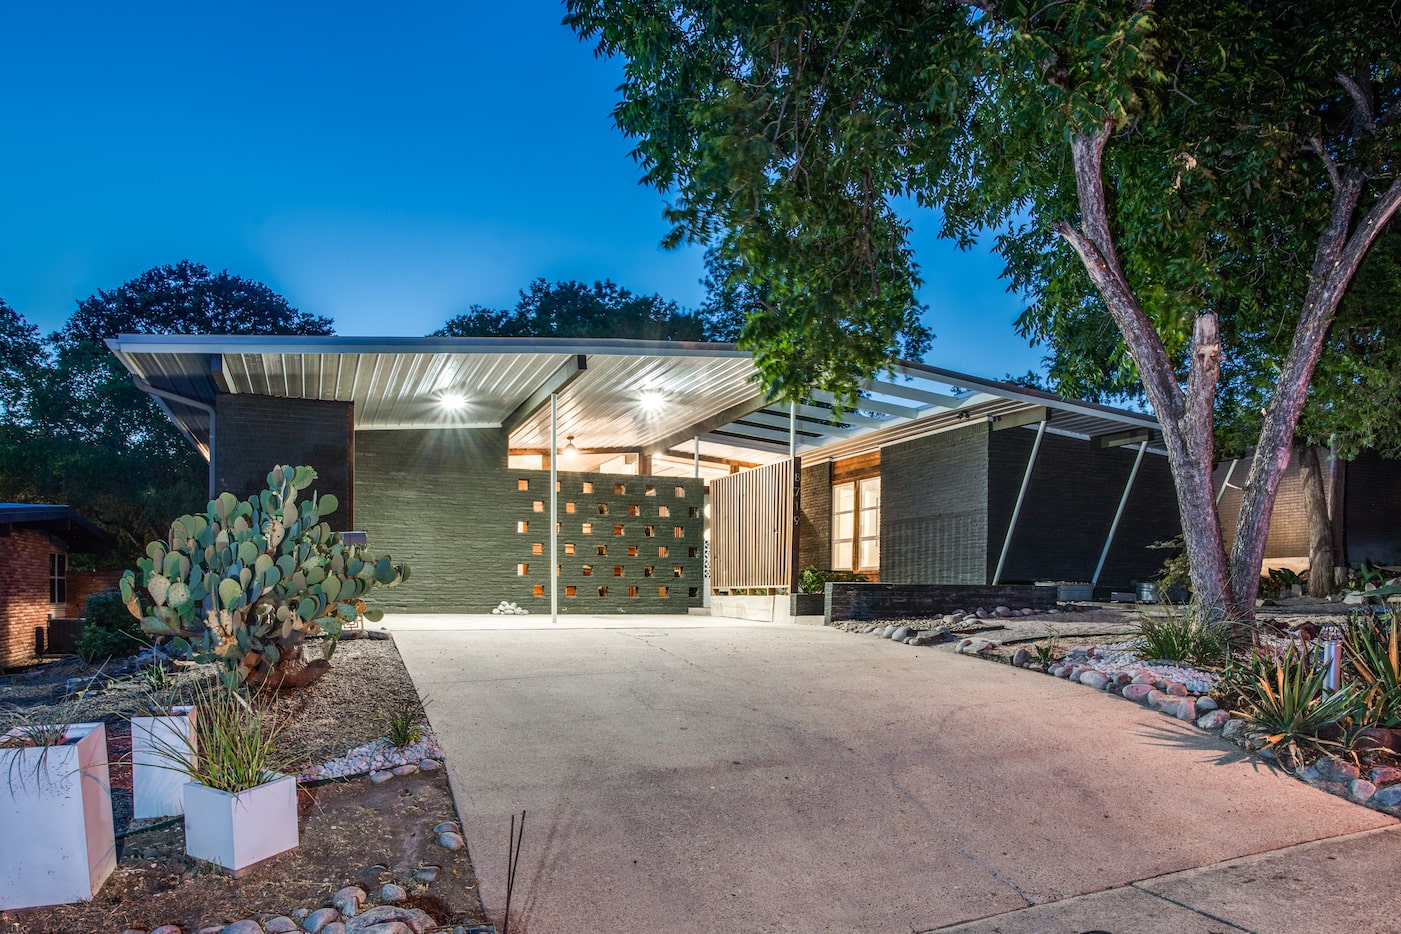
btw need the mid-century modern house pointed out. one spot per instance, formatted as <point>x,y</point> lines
<point>36,585</point>
<point>441,450</point>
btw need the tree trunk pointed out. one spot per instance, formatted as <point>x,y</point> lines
<point>1337,511</point>
<point>1320,525</point>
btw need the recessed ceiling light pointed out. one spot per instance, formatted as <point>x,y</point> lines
<point>452,401</point>
<point>651,400</point>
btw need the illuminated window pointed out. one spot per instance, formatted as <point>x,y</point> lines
<point>617,570</point>
<point>634,511</point>
<point>603,509</point>
<point>587,570</point>
<point>632,551</point>
<point>522,570</point>
<point>678,532</point>
<point>647,571</point>
<point>663,551</point>
<point>680,492</point>
<point>569,507</point>
<point>603,591</point>
<point>617,530</point>
<point>539,590</point>
<point>600,550</point>
<point>570,590</point>
<point>856,525</point>
<point>538,506</point>
<point>663,592</point>
<point>647,531</point>
<point>588,487</point>
<point>568,548</point>
<point>522,527</point>
<point>676,571</point>
<point>587,528</point>
<point>649,491</point>
<point>663,512</point>
<point>619,489</point>
<point>632,591</point>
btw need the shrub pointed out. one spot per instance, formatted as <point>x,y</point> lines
<point>1374,660</point>
<point>815,579</point>
<point>404,723</point>
<point>1181,637</point>
<point>108,629</point>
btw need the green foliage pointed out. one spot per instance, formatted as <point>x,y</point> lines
<point>1175,572</point>
<point>245,583</point>
<point>573,309</point>
<point>237,743</point>
<point>1182,636</point>
<point>1370,644</point>
<point>1287,706</point>
<point>404,723</point>
<point>814,579</point>
<point>108,629</point>
<point>1048,652</point>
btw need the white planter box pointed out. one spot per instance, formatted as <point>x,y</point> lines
<point>239,831</point>
<point>56,838</point>
<point>157,785</point>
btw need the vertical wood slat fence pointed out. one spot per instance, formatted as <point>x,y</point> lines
<point>752,527</point>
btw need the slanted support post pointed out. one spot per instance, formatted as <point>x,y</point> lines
<point>1021,495</point>
<point>1119,513</point>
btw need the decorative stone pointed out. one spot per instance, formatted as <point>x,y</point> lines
<point>280,925</point>
<point>1093,679</point>
<point>1389,798</point>
<point>1360,790</point>
<point>1233,730</point>
<point>1176,689</point>
<point>301,913</point>
<point>1385,775</point>
<point>1379,738</point>
<point>1205,703</point>
<point>1212,719</point>
<point>1020,657</point>
<point>429,765</point>
<point>406,769</point>
<point>380,777</point>
<point>453,841</point>
<point>1060,671</point>
<point>1336,770</point>
<point>318,919</point>
<point>426,874</point>
<point>167,929</point>
<point>392,894</point>
<point>348,900</point>
<point>888,631</point>
<point>413,919</point>
<point>246,926</point>
<point>901,634</point>
<point>335,927</point>
<point>447,826</point>
<point>1002,611</point>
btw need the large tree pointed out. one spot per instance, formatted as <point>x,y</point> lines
<point>88,437</point>
<point>575,309</point>
<point>1137,159</point>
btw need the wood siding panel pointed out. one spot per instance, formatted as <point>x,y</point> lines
<point>752,528</point>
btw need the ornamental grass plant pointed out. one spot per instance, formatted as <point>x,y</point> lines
<point>1181,635</point>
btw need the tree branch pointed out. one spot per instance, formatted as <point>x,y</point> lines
<point>1359,96</point>
<point>1315,145</point>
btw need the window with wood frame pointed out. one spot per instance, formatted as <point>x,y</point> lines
<point>856,525</point>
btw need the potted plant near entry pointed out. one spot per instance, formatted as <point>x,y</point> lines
<point>57,843</point>
<point>240,808</point>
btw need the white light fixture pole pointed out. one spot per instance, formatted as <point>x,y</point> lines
<point>554,507</point>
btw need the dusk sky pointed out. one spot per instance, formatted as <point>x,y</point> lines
<point>385,164</point>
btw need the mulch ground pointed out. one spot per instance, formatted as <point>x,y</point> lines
<point>352,833</point>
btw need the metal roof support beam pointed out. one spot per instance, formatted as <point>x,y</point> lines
<point>1226,480</point>
<point>554,507</point>
<point>871,405</point>
<point>778,435</point>
<point>793,429</point>
<point>1018,419</point>
<point>1119,513</point>
<point>161,396</point>
<point>735,441</point>
<point>1017,509</point>
<point>718,420</point>
<point>773,420</point>
<point>891,388</point>
<point>572,369</point>
<point>816,413</point>
<point>1121,439</point>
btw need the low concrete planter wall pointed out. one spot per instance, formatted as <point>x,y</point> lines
<point>904,601</point>
<point>807,604</point>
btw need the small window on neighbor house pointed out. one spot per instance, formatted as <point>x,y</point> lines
<point>588,487</point>
<point>538,505</point>
<point>693,552</point>
<point>617,570</point>
<point>694,512</point>
<point>663,551</point>
<point>676,571</point>
<point>569,507</point>
<point>663,512</point>
<point>537,548</point>
<point>570,590</point>
<point>522,484</point>
<point>603,509</point>
<point>693,591</point>
<point>522,570</point>
<point>600,550</point>
<point>58,577</point>
<point>632,591</point>
<point>587,528</point>
<point>617,530</point>
<point>680,492</point>
<point>522,527</point>
<point>632,551</point>
<point>539,590</point>
<point>587,570</point>
<point>557,486</point>
<point>568,548</point>
<point>663,592</point>
<point>649,490</point>
<point>603,591</point>
<point>619,489</point>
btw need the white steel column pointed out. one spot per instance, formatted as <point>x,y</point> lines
<point>695,459</point>
<point>1021,495</point>
<point>1119,513</point>
<point>554,507</point>
<point>793,429</point>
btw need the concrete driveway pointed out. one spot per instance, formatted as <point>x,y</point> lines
<point>692,774</point>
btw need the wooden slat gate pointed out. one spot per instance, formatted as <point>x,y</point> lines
<point>752,527</point>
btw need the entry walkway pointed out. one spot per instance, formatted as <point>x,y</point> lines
<point>691,774</point>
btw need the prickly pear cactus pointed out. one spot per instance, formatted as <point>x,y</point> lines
<point>246,582</point>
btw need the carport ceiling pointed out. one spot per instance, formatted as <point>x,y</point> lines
<point>613,394</point>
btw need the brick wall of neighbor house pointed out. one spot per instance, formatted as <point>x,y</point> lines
<point>253,434</point>
<point>1289,523</point>
<point>24,592</point>
<point>1372,510</point>
<point>1069,507</point>
<point>83,584</point>
<point>445,503</point>
<point>934,498</point>
<point>815,516</point>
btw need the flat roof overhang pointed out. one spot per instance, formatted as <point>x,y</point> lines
<point>613,395</point>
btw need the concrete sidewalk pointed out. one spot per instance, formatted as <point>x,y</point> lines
<point>694,774</point>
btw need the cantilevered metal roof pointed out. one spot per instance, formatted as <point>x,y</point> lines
<point>614,395</point>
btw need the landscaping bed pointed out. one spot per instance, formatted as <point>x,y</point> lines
<point>356,833</point>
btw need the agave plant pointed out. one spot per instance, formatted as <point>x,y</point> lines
<point>1375,660</point>
<point>247,582</point>
<point>1287,706</point>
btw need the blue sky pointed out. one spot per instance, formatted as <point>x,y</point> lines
<point>384,164</point>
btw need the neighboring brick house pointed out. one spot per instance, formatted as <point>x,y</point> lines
<point>35,583</point>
